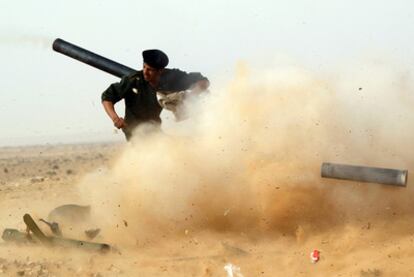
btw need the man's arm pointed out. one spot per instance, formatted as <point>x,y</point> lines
<point>197,83</point>
<point>177,80</point>
<point>112,95</point>
<point>200,86</point>
<point>110,110</point>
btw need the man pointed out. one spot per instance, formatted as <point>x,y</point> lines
<point>139,91</point>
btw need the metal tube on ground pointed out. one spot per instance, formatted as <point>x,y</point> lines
<point>365,174</point>
<point>93,246</point>
<point>15,236</point>
<point>88,57</point>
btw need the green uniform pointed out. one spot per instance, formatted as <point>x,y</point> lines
<point>141,104</point>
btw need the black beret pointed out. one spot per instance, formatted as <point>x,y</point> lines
<point>155,58</point>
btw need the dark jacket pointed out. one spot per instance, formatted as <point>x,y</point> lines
<point>141,104</point>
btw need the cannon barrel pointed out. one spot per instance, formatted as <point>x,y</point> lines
<point>88,57</point>
<point>386,176</point>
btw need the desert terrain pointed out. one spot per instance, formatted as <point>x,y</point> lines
<point>39,178</point>
<point>235,190</point>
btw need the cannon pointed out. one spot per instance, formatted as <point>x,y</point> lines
<point>88,57</point>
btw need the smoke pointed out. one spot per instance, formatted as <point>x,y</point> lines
<point>22,39</point>
<point>249,161</point>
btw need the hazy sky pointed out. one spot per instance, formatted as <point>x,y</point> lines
<point>48,98</point>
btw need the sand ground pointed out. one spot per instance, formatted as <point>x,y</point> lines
<point>37,179</point>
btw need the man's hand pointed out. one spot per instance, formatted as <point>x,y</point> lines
<point>200,86</point>
<point>119,123</point>
<point>110,110</point>
<point>203,84</point>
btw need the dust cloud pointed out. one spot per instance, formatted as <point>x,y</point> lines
<point>248,161</point>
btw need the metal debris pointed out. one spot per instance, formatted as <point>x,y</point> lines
<point>35,235</point>
<point>92,233</point>
<point>365,174</point>
<point>54,227</point>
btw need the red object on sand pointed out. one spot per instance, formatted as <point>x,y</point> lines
<point>315,255</point>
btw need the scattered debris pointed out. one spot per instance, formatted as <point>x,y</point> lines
<point>51,173</point>
<point>71,213</point>
<point>14,235</point>
<point>32,227</point>
<point>234,250</point>
<point>92,233</point>
<point>300,234</point>
<point>315,256</point>
<point>232,270</point>
<point>114,269</point>
<point>385,176</point>
<point>54,227</point>
<point>367,226</point>
<point>35,235</point>
<point>370,273</point>
<point>37,179</point>
<point>226,212</point>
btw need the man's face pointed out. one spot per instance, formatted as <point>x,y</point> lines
<point>151,74</point>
